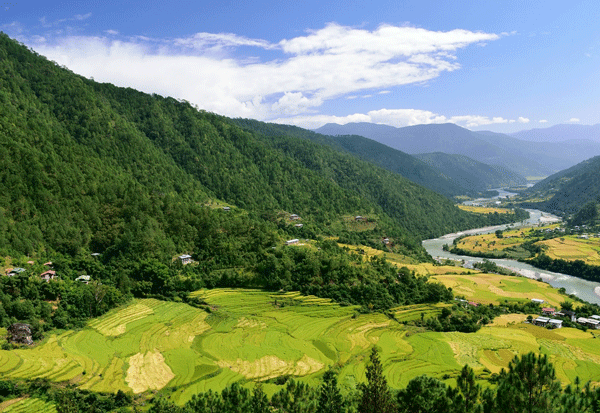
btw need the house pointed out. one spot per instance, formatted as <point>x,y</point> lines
<point>299,225</point>
<point>554,323</point>
<point>589,322</point>
<point>48,264</point>
<point>567,313</point>
<point>226,209</point>
<point>358,218</point>
<point>386,241</point>
<point>48,275</point>
<point>541,321</point>
<point>30,262</point>
<point>95,254</point>
<point>473,303</point>
<point>548,310</point>
<point>16,271</point>
<point>537,301</point>
<point>19,333</point>
<point>185,259</point>
<point>83,278</point>
<point>294,217</point>
<point>595,317</point>
<point>292,241</point>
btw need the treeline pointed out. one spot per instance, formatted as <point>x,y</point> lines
<point>529,385</point>
<point>576,268</point>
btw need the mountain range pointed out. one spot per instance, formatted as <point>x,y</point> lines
<point>527,158</point>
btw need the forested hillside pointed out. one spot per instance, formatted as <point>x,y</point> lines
<point>139,179</point>
<point>566,192</point>
<point>471,173</point>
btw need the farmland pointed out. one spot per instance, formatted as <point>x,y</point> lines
<point>249,335</point>
<point>572,248</point>
<point>484,210</point>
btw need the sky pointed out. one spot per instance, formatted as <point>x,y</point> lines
<point>503,65</point>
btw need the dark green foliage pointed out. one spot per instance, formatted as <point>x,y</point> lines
<point>330,399</point>
<point>568,190</point>
<point>375,394</point>
<point>472,174</point>
<point>529,386</point>
<point>424,394</point>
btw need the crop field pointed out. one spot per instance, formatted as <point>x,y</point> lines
<point>493,288</point>
<point>484,210</point>
<point>571,248</point>
<point>27,405</point>
<point>251,336</point>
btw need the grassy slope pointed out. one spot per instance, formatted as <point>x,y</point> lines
<point>251,335</point>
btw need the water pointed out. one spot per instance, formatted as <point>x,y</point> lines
<point>586,290</point>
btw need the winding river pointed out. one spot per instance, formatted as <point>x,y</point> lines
<point>586,290</point>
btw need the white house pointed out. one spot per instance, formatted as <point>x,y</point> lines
<point>292,241</point>
<point>185,259</point>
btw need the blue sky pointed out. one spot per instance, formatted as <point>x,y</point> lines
<point>486,65</point>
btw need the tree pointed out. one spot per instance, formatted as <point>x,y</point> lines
<point>330,399</point>
<point>424,394</point>
<point>529,386</point>
<point>376,396</point>
<point>468,388</point>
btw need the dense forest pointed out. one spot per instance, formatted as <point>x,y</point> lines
<point>566,192</point>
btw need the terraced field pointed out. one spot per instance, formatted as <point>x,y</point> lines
<point>251,335</point>
<point>27,405</point>
<point>483,210</point>
<point>494,288</point>
<point>571,248</point>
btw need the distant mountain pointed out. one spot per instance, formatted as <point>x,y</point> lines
<point>569,190</point>
<point>523,157</point>
<point>560,133</point>
<point>369,150</point>
<point>470,173</point>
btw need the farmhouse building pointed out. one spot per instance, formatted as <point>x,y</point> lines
<point>226,209</point>
<point>589,322</point>
<point>20,333</point>
<point>537,300</point>
<point>83,278</point>
<point>567,313</point>
<point>292,241</point>
<point>541,321</point>
<point>294,217</point>
<point>299,225</point>
<point>48,275</point>
<point>15,271</point>
<point>548,311</point>
<point>185,259</point>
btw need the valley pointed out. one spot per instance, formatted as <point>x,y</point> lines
<point>154,256</point>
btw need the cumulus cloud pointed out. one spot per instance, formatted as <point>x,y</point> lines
<point>393,117</point>
<point>543,121</point>
<point>207,69</point>
<point>574,120</point>
<point>523,120</point>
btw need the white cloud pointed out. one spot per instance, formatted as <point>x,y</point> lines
<point>325,64</point>
<point>574,120</point>
<point>112,32</point>
<point>523,120</point>
<point>392,117</point>
<point>543,121</point>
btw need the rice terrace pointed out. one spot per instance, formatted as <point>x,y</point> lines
<point>250,335</point>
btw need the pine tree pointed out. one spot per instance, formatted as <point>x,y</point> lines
<point>376,396</point>
<point>330,399</point>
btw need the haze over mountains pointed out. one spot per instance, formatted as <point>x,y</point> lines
<point>526,158</point>
<point>559,133</point>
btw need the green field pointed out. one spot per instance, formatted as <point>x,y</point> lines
<point>571,248</point>
<point>251,335</point>
<point>27,405</point>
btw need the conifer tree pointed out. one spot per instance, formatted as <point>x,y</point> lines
<point>376,396</point>
<point>330,399</point>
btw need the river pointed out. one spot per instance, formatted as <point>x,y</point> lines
<point>586,290</point>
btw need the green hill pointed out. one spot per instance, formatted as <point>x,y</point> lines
<point>470,173</point>
<point>566,192</point>
<point>88,167</point>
